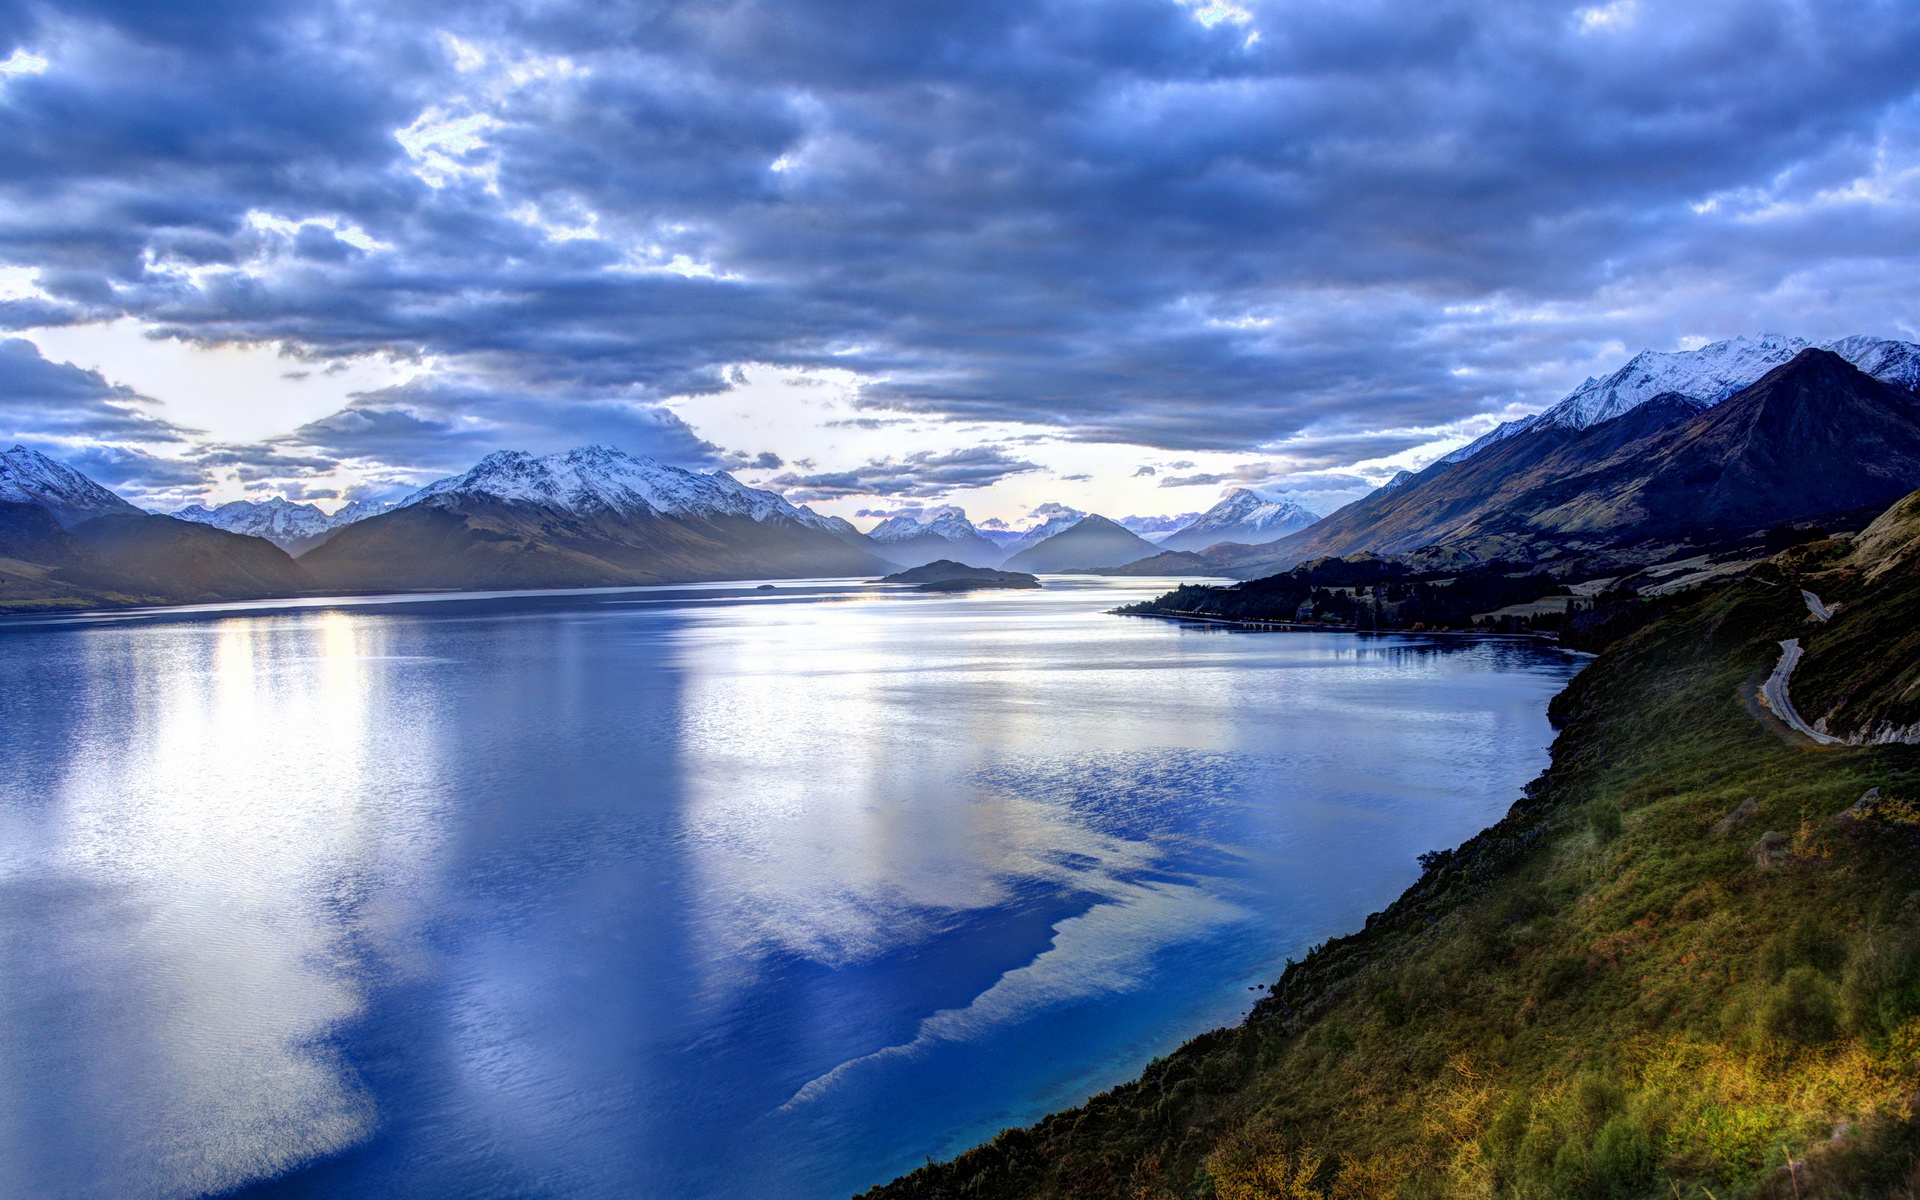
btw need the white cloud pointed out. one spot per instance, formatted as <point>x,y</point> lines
<point>22,63</point>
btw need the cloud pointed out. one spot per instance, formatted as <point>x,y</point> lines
<point>925,475</point>
<point>1392,216</point>
<point>445,425</point>
<point>50,400</point>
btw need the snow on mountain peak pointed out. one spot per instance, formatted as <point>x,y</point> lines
<point>1711,374</point>
<point>278,519</point>
<point>601,479</point>
<point>30,477</point>
<point>1247,512</point>
<point>948,521</point>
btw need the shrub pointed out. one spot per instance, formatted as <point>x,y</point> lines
<point>1801,1008</point>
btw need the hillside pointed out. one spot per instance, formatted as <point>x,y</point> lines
<point>1814,438</point>
<point>1667,970</point>
<point>1091,541</point>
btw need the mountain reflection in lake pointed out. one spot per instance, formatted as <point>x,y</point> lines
<point>694,892</point>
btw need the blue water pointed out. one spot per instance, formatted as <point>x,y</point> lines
<point>698,892</point>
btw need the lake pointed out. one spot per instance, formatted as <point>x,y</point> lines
<point>676,892</point>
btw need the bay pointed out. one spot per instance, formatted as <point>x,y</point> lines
<point>676,892</point>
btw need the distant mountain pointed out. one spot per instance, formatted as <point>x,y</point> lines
<point>294,528</point>
<point>588,517</point>
<point>1158,529</point>
<point>29,477</point>
<point>1710,374</point>
<point>1090,541</point>
<point>1244,516</point>
<point>1055,518</point>
<point>1815,437</point>
<point>941,533</point>
<point>1399,477</point>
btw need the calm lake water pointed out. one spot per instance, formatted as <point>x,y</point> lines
<point>695,892</point>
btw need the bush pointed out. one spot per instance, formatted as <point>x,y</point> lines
<point>1623,1158</point>
<point>1801,1008</point>
<point>1808,942</point>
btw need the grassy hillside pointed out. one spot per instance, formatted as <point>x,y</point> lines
<point>1666,972</point>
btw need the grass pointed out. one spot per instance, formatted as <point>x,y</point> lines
<point>1603,995</point>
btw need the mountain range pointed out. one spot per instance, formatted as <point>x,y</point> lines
<point>589,517</point>
<point>1673,452</point>
<point>1709,374</point>
<point>292,527</point>
<point>1815,438</point>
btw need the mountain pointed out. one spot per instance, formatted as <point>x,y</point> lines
<point>1814,438</point>
<point>294,528</point>
<point>1158,529</point>
<point>29,477</point>
<point>185,562</point>
<point>1710,374</point>
<point>941,533</point>
<point>1090,541</point>
<point>1244,516</point>
<point>71,543</point>
<point>588,517</point>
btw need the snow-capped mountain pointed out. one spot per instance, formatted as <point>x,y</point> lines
<point>592,480</point>
<point>1158,529</point>
<point>1244,516</point>
<point>292,527</point>
<point>359,510</point>
<point>30,477</point>
<point>589,517</point>
<point>1712,373</point>
<point>916,538</point>
<point>947,522</point>
<point>1054,518</point>
<point>1399,477</point>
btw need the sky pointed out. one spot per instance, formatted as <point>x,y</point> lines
<point>1120,254</point>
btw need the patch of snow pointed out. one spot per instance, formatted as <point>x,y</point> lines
<point>600,479</point>
<point>30,477</point>
<point>1710,374</point>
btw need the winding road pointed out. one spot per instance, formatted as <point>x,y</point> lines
<point>1773,693</point>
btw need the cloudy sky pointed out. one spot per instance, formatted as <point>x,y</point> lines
<point>1119,253</point>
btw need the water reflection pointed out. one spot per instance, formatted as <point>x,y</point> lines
<point>693,893</point>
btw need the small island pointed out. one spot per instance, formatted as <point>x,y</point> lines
<point>946,575</point>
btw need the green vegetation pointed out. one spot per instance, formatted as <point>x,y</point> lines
<point>1666,972</point>
<point>1362,591</point>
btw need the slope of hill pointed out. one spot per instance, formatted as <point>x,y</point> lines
<point>1243,516</point>
<point>1687,962</point>
<point>185,562</point>
<point>1091,541</point>
<point>1813,438</point>
<point>589,517</point>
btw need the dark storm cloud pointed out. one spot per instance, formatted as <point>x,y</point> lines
<point>1108,218</point>
<point>923,476</point>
